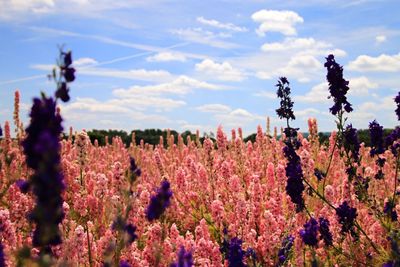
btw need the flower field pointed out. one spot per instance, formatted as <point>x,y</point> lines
<point>278,201</point>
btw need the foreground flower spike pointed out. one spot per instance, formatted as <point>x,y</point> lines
<point>159,202</point>
<point>42,151</point>
<point>185,259</point>
<point>347,216</point>
<point>338,86</point>
<point>1,131</point>
<point>309,233</point>
<point>397,101</point>
<point>235,253</point>
<point>326,234</point>
<point>284,251</point>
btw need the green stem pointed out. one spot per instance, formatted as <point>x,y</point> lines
<point>89,246</point>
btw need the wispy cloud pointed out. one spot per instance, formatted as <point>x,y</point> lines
<point>200,36</point>
<point>221,25</point>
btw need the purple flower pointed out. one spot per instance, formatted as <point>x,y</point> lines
<point>69,74</point>
<point>236,253</point>
<point>319,174</point>
<point>159,202</point>
<point>2,258</point>
<point>23,185</point>
<point>124,264</point>
<point>285,249</point>
<point>286,104</point>
<point>324,231</point>
<point>376,134</point>
<point>134,168</point>
<point>309,233</point>
<point>42,151</point>
<point>391,139</point>
<point>185,259</point>
<point>338,86</point>
<point>351,142</point>
<point>294,173</point>
<point>390,211</point>
<point>397,101</point>
<point>1,131</point>
<point>62,92</point>
<point>129,229</point>
<point>347,216</point>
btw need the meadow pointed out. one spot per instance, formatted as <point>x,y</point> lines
<point>287,201</point>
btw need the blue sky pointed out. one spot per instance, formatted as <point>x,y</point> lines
<point>198,64</point>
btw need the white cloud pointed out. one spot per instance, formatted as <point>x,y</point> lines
<point>380,39</point>
<point>384,63</point>
<point>294,43</point>
<point>84,61</point>
<point>318,94</point>
<point>307,113</point>
<point>301,67</point>
<point>180,86</point>
<point>361,85</point>
<point>214,108</point>
<point>200,36</point>
<point>167,56</point>
<point>276,21</point>
<point>221,71</point>
<point>220,25</point>
<point>237,118</point>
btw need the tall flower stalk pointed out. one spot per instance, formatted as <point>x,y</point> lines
<point>42,150</point>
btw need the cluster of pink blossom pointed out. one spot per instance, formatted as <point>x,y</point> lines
<point>222,188</point>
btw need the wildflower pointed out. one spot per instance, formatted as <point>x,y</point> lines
<point>236,253</point>
<point>159,202</point>
<point>284,251</point>
<point>347,216</point>
<point>338,86</point>
<point>286,104</point>
<point>376,134</point>
<point>1,131</point>
<point>134,168</point>
<point>351,142</point>
<point>392,142</point>
<point>42,151</point>
<point>390,210</point>
<point>2,258</point>
<point>62,92</point>
<point>23,185</point>
<point>397,101</point>
<point>309,233</point>
<point>129,229</point>
<point>124,264</point>
<point>67,75</point>
<point>319,174</point>
<point>294,174</point>
<point>324,231</point>
<point>185,259</point>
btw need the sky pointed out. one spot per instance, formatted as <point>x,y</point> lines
<point>189,65</point>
